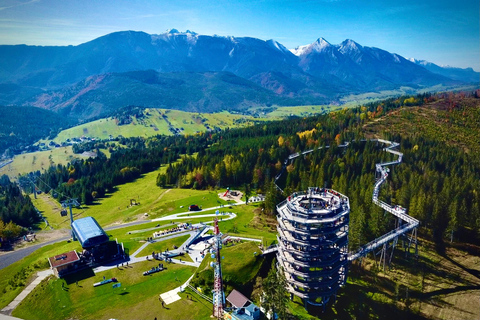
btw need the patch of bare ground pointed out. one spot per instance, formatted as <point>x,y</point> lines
<point>40,237</point>
<point>232,195</point>
<point>267,223</point>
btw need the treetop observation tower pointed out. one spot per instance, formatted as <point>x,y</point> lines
<point>313,243</point>
<point>312,229</point>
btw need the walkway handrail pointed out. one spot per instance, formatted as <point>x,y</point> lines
<point>396,210</point>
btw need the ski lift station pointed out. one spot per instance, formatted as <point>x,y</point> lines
<point>97,249</point>
<point>88,232</point>
<point>313,243</point>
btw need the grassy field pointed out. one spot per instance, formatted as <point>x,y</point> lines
<point>137,298</point>
<point>115,208</point>
<point>240,265</point>
<point>251,223</point>
<point>299,111</point>
<point>155,123</point>
<point>50,208</point>
<point>41,160</point>
<point>14,277</point>
<point>163,245</point>
<point>158,121</point>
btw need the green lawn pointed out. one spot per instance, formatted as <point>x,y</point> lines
<point>161,246</point>
<point>51,208</point>
<point>14,277</point>
<point>154,201</point>
<point>250,223</point>
<point>239,266</point>
<point>115,207</point>
<point>299,111</point>
<point>137,298</point>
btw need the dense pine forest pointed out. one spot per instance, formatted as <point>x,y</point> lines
<point>438,182</point>
<point>16,210</point>
<point>22,126</point>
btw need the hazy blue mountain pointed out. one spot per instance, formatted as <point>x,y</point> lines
<point>190,91</point>
<point>364,67</point>
<point>460,74</point>
<point>76,78</point>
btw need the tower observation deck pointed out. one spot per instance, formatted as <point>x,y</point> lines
<point>313,243</point>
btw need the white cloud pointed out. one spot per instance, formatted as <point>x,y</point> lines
<point>17,4</point>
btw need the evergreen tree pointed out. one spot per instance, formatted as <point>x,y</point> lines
<point>275,297</point>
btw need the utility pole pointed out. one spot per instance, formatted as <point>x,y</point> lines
<point>69,203</point>
<point>34,190</point>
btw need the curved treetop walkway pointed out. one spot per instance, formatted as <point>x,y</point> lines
<point>405,224</point>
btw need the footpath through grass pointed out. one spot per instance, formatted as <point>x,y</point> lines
<point>15,277</point>
<point>137,298</point>
<point>116,207</point>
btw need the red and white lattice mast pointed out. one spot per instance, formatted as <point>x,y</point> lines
<point>218,294</point>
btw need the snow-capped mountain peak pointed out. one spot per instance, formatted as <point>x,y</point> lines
<point>277,45</point>
<point>320,44</point>
<point>317,46</point>
<point>349,46</point>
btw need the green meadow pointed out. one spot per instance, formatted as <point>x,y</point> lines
<point>116,208</point>
<point>154,123</point>
<point>136,298</point>
<point>40,160</point>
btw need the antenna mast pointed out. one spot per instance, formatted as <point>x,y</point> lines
<point>218,294</point>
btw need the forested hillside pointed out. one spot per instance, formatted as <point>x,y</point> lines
<point>16,210</point>
<point>22,126</point>
<point>438,183</point>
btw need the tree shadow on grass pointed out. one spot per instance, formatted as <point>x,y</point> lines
<point>78,276</point>
<point>473,272</point>
<point>357,303</point>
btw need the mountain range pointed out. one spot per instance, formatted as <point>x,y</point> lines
<point>194,72</point>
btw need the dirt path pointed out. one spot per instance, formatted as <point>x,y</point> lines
<point>143,216</point>
<point>161,196</point>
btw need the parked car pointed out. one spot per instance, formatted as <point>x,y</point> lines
<point>194,207</point>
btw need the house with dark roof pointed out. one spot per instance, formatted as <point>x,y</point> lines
<point>242,307</point>
<point>64,263</point>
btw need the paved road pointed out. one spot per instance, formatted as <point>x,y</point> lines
<point>12,257</point>
<point>3,164</point>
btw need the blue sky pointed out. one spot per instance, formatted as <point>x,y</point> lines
<point>445,32</point>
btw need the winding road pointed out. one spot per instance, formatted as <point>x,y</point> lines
<point>16,255</point>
